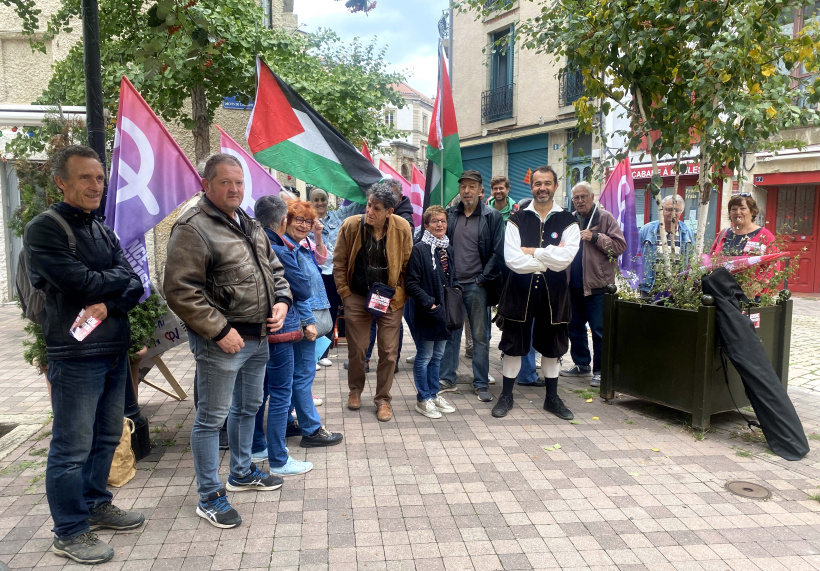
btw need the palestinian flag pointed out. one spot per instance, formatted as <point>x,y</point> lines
<point>443,151</point>
<point>287,134</point>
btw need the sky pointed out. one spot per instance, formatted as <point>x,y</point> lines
<point>409,29</point>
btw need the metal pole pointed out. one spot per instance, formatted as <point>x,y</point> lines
<point>95,119</point>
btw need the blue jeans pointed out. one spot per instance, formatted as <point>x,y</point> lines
<point>475,304</point>
<point>88,402</point>
<point>278,388</point>
<point>586,309</point>
<point>304,371</point>
<point>528,373</point>
<point>426,368</point>
<point>228,385</point>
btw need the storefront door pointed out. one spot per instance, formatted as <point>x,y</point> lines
<point>791,212</point>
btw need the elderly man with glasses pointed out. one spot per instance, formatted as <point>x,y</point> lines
<point>680,241</point>
<point>591,271</point>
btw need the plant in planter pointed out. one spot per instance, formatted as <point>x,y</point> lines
<point>665,348</point>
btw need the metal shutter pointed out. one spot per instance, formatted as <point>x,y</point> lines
<point>526,153</point>
<point>480,158</point>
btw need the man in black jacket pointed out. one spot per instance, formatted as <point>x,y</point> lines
<point>87,377</point>
<point>476,232</point>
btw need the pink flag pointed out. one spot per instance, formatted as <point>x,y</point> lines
<point>406,189</point>
<point>618,198</point>
<point>150,177</point>
<point>737,264</point>
<point>366,152</point>
<point>417,185</point>
<point>258,181</point>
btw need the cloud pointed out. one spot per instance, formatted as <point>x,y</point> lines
<point>408,29</point>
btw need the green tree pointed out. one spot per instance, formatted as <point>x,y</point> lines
<point>721,76</point>
<point>176,51</point>
<point>27,11</point>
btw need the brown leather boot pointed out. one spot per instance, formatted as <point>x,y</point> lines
<point>354,401</point>
<point>384,412</point>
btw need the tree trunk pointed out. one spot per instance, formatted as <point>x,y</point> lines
<point>705,187</point>
<point>202,135</point>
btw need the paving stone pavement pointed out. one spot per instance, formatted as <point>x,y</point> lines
<point>631,487</point>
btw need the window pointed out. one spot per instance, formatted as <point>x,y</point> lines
<point>390,117</point>
<point>425,123</point>
<point>501,58</point>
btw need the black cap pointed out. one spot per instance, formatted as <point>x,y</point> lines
<point>471,175</point>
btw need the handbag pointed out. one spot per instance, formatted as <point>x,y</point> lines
<point>379,298</point>
<point>124,463</point>
<point>289,336</point>
<point>324,324</point>
<point>453,307</point>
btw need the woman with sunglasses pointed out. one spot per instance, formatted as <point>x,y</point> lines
<point>300,222</point>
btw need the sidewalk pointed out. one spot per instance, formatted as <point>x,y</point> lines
<point>629,488</point>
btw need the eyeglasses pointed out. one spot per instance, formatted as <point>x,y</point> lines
<point>306,221</point>
<point>441,221</point>
<point>580,197</point>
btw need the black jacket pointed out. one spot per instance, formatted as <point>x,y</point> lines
<point>490,246</point>
<point>423,284</point>
<point>405,209</point>
<point>95,273</point>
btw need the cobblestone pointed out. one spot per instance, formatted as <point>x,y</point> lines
<point>631,487</point>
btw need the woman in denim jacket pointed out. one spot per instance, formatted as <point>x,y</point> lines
<point>331,221</point>
<point>301,220</point>
<point>270,445</point>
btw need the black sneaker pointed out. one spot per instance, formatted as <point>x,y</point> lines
<point>596,379</point>
<point>539,382</point>
<point>322,437</point>
<point>293,429</point>
<point>109,516</point>
<point>484,394</point>
<point>557,407</point>
<point>256,480</point>
<point>578,372</point>
<point>86,548</point>
<point>503,406</point>
<point>218,511</point>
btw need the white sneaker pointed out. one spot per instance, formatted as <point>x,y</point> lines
<point>538,360</point>
<point>442,405</point>
<point>490,379</point>
<point>428,409</point>
<point>318,367</point>
<point>317,401</point>
<point>410,359</point>
<point>325,362</point>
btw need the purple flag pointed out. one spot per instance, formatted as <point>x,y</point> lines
<point>258,181</point>
<point>150,178</point>
<point>618,198</point>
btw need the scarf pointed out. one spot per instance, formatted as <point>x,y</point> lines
<point>434,243</point>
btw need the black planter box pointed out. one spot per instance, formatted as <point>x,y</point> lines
<point>670,356</point>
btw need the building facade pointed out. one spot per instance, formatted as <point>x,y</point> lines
<point>24,74</point>
<point>414,120</point>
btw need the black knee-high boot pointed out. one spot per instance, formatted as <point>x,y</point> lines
<point>505,400</point>
<point>553,403</point>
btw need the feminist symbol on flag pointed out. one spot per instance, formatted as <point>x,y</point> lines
<point>137,182</point>
<point>247,199</point>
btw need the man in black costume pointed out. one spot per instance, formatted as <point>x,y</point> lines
<point>539,246</point>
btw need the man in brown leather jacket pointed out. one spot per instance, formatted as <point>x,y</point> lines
<point>226,284</point>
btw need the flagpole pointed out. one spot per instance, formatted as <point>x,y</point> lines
<point>442,176</point>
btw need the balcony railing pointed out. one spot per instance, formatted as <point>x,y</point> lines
<point>571,88</point>
<point>497,4</point>
<point>497,104</point>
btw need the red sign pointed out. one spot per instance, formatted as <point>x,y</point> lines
<point>644,172</point>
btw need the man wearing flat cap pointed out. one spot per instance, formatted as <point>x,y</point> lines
<point>476,233</point>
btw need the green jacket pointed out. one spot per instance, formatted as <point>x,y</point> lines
<point>511,207</point>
